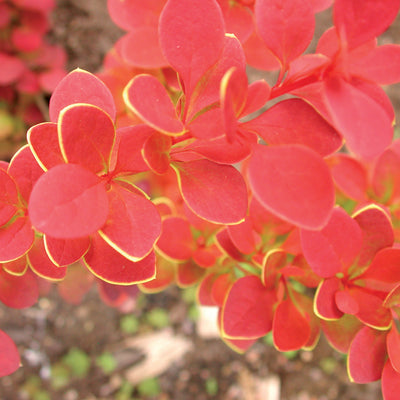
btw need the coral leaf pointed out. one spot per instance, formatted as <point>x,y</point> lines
<point>148,98</point>
<point>80,86</point>
<point>367,355</point>
<point>291,329</point>
<point>176,240</point>
<point>18,291</point>
<point>294,183</point>
<point>248,309</point>
<point>67,202</point>
<point>112,267</point>
<point>333,248</point>
<point>192,37</point>
<point>16,239</point>
<point>8,197</point>
<point>390,382</point>
<point>286,26</point>
<point>43,141</point>
<point>361,120</point>
<point>214,192</point>
<point>41,264</point>
<point>373,18</point>
<point>293,121</point>
<point>25,171</point>
<point>133,224</point>
<point>64,252</point>
<point>86,135</point>
<point>9,360</point>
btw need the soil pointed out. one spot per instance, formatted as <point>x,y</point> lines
<point>209,369</point>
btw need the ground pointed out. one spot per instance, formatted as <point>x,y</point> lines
<point>60,344</point>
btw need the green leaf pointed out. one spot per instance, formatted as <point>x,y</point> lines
<point>106,362</point>
<point>78,362</point>
<point>211,386</point>
<point>149,387</point>
<point>129,324</point>
<point>158,318</point>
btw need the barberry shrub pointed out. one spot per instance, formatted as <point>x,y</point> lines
<point>279,202</point>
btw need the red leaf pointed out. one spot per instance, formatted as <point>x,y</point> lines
<point>80,86</point>
<point>8,197</point>
<point>214,192</point>
<point>192,37</point>
<point>207,91</point>
<point>220,150</point>
<point>294,183</point>
<point>334,248</point>
<point>350,175</point>
<point>63,252</point>
<point>383,273</point>
<point>341,332</point>
<point>258,55</point>
<point>381,65</point>
<point>156,152</point>
<point>148,98</point>
<point>377,232</point>
<point>165,275</point>
<point>359,118</point>
<point>9,359</point>
<point>291,328</point>
<point>373,18</point>
<point>293,121</point>
<point>41,264</point>
<point>367,355</point>
<point>111,266</point>
<point>77,282</point>
<point>188,274</point>
<point>390,382</point>
<point>18,291</point>
<point>17,267</point>
<point>16,239</point>
<point>133,224</point>
<point>176,240</point>
<point>393,347</point>
<point>226,244</point>
<point>25,171</point>
<point>242,236</point>
<point>324,300</point>
<point>68,202</point>
<point>128,148</point>
<point>11,69</point>
<point>143,53</point>
<point>43,141</point>
<point>286,26</point>
<point>133,13</point>
<point>248,309</point>
<point>86,135</point>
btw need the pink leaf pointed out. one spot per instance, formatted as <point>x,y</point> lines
<point>111,266</point>
<point>16,239</point>
<point>214,192</point>
<point>80,86</point>
<point>133,224</point>
<point>192,37</point>
<point>334,248</point>
<point>68,202</point>
<point>8,197</point>
<point>295,122</point>
<point>286,26</point>
<point>362,121</point>
<point>294,183</point>
<point>64,252</point>
<point>373,18</point>
<point>148,98</point>
<point>366,366</point>
<point>248,309</point>
<point>86,136</point>
<point>9,359</point>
